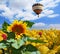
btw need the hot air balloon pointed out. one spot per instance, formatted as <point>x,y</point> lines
<point>37,8</point>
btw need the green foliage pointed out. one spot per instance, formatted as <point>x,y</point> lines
<point>24,49</point>
<point>3,41</point>
<point>15,51</point>
<point>35,52</point>
<point>11,35</point>
<point>29,24</point>
<point>35,40</point>
<point>4,26</point>
<point>27,52</point>
<point>2,45</point>
<point>28,49</point>
<point>18,43</point>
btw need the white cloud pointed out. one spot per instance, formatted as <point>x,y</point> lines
<point>7,12</point>
<point>50,3</point>
<point>53,15</point>
<point>29,16</point>
<point>38,26</point>
<point>55,26</point>
<point>48,12</point>
<point>45,26</point>
<point>21,4</point>
<point>15,8</point>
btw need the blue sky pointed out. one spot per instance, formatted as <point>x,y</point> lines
<point>17,9</point>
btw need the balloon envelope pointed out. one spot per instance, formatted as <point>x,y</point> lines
<point>37,8</point>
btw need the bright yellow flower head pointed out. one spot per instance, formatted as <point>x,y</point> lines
<point>43,49</point>
<point>18,27</point>
<point>1,32</point>
<point>34,44</point>
<point>1,38</point>
<point>18,36</point>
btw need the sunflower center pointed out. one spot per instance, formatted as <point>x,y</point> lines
<point>18,29</point>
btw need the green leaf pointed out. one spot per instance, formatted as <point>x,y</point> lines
<point>2,45</point>
<point>11,35</point>
<point>28,47</point>
<point>35,40</point>
<point>23,50</point>
<point>11,40</point>
<point>34,52</point>
<point>29,24</point>
<point>18,43</point>
<point>3,41</point>
<point>4,26</point>
<point>24,37</point>
<point>15,51</point>
<point>26,52</point>
<point>31,48</point>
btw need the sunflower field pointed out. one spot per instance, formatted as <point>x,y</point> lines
<point>18,38</point>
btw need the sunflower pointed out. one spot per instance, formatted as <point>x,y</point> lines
<point>18,27</point>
